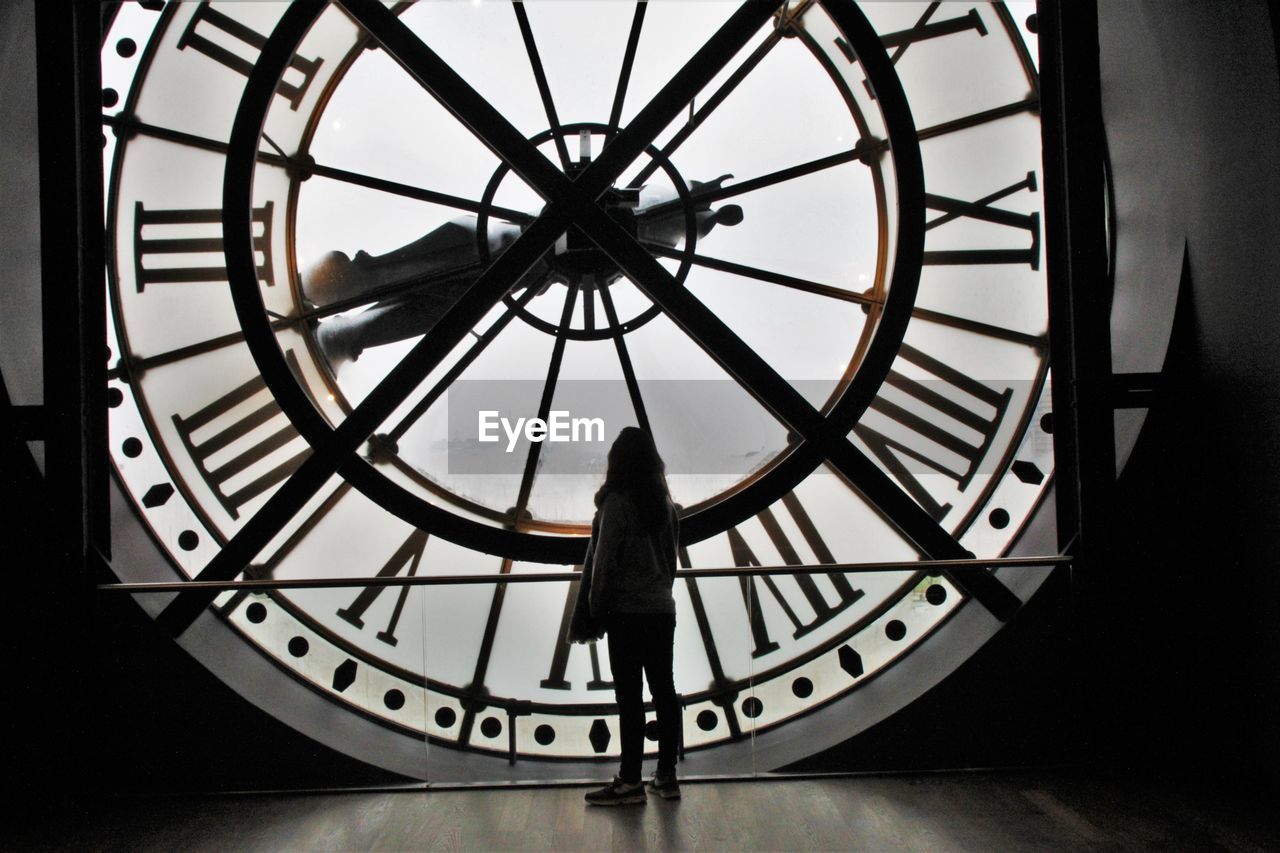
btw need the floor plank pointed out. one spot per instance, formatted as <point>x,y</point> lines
<point>1015,811</point>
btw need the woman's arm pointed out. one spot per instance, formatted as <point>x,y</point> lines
<point>606,548</point>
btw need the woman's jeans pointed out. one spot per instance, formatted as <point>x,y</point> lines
<point>644,641</point>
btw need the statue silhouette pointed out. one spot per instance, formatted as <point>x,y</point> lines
<point>455,246</point>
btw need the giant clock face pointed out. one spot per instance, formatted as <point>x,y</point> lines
<point>800,242</point>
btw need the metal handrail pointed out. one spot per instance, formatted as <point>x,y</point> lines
<point>928,566</point>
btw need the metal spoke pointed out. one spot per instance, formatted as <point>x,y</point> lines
<point>862,151</point>
<point>346,176</point>
<point>726,88</point>
<point>455,94</point>
<point>540,76</point>
<point>701,68</point>
<point>624,73</point>
<point>485,652</point>
<point>589,309</point>
<point>129,124</point>
<point>521,217</point>
<point>544,405</point>
<point>481,343</point>
<point>763,275</point>
<point>624,359</point>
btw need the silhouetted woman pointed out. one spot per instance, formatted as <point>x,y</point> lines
<point>629,571</point>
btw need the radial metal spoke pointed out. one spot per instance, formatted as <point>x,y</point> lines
<point>484,653</point>
<point>740,73</point>
<point>191,140</point>
<point>130,124</point>
<point>624,359</point>
<point>699,71</point>
<point>540,77</point>
<point>624,73</point>
<point>455,94</point>
<point>521,217</point>
<point>544,405</point>
<point>137,364</point>
<point>713,194</point>
<point>763,275</point>
<point>482,342</point>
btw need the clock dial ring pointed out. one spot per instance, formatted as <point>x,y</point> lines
<point>789,469</point>
<point>257,637</point>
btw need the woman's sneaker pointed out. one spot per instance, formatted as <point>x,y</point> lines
<point>665,786</point>
<point>618,793</point>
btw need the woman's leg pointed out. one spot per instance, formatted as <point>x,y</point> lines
<point>625,659</point>
<point>659,641</point>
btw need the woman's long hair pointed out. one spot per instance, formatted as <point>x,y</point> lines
<point>636,470</point>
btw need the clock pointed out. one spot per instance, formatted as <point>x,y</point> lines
<point>385,281</point>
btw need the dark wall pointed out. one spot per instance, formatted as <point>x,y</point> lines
<point>1187,616</point>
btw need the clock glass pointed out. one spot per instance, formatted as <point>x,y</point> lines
<point>799,242</point>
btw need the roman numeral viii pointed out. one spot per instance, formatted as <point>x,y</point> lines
<point>234,441</point>
<point>946,428</point>
<point>186,245</point>
<point>236,46</point>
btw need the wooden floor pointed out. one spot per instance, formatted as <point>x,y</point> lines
<point>958,811</point>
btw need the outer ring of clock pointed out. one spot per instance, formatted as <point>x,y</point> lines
<point>788,469</point>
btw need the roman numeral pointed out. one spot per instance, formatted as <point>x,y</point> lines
<point>227,41</point>
<point>751,587</point>
<point>555,679</point>
<point>938,434</point>
<point>1029,104</point>
<point>225,458</point>
<point>407,557</point>
<point>170,245</point>
<point>982,210</point>
<point>927,28</point>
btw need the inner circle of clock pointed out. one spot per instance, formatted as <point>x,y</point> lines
<point>780,226</point>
